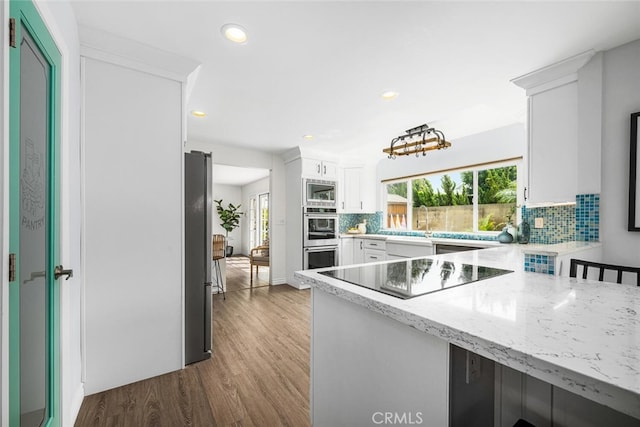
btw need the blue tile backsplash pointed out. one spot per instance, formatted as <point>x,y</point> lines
<point>562,224</point>
<point>567,222</point>
<point>559,223</point>
<point>544,264</point>
<point>347,221</point>
<point>588,217</point>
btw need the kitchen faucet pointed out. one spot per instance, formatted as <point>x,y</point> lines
<point>426,220</point>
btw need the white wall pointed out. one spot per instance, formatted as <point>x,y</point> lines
<point>228,194</point>
<point>498,144</point>
<point>621,97</point>
<point>277,194</point>
<point>250,191</point>
<point>133,228</point>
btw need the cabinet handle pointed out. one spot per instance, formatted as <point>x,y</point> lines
<point>318,168</point>
<point>342,205</point>
<point>525,194</point>
<point>360,244</point>
<point>360,205</point>
<point>373,257</point>
<point>325,170</point>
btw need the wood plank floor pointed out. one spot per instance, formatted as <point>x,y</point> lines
<point>238,270</point>
<point>258,374</point>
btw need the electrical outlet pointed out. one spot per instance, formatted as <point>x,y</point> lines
<point>539,223</point>
<point>473,367</point>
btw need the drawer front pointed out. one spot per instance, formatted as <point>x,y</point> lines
<point>374,244</point>
<point>374,255</point>
<point>409,251</point>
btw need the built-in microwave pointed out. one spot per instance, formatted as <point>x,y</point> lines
<point>318,192</point>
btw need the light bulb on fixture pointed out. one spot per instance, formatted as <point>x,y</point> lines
<point>389,95</point>
<point>234,33</point>
<point>419,139</point>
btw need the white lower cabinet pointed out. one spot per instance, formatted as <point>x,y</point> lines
<point>374,250</point>
<point>358,250</point>
<point>346,250</point>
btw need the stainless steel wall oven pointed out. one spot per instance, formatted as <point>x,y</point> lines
<point>320,227</point>
<point>320,237</point>
<point>320,257</point>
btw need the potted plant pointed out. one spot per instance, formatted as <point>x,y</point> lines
<point>230,217</point>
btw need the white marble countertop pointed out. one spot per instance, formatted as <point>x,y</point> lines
<point>422,240</point>
<point>558,249</point>
<point>576,334</point>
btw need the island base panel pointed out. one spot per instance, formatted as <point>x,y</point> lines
<point>368,369</point>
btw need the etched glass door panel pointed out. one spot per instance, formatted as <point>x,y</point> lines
<point>35,279</point>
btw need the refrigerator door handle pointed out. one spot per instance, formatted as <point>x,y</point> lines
<point>207,315</point>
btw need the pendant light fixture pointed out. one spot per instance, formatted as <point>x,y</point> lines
<point>419,139</point>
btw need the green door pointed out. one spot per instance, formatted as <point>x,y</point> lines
<point>34,383</point>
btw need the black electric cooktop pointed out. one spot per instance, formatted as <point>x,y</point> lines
<point>411,278</point>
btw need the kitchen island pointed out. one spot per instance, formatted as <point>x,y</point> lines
<point>375,355</point>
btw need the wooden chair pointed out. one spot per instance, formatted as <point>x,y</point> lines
<point>259,256</point>
<point>218,248</point>
<point>573,270</point>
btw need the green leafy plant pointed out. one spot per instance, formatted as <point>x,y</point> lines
<point>230,216</point>
<point>512,211</point>
<point>487,223</point>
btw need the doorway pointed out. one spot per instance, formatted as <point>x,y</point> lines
<point>34,182</point>
<point>262,228</point>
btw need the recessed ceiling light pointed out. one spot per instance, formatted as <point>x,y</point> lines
<point>389,95</point>
<point>308,137</point>
<point>198,113</point>
<point>235,33</point>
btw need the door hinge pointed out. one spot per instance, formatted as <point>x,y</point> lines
<point>12,267</point>
<point>12,32</point>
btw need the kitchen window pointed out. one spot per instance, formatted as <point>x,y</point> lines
<point>476,199</point>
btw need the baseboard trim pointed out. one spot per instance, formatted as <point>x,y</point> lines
<point>76,403</point>
<point>299,285</point>
<point>279,281</point>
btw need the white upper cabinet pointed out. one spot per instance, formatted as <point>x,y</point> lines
<point>312,168</point>
<point>358,190</point>
<point>553,153</point>
<point>553,145</point>
<point>351,195</point>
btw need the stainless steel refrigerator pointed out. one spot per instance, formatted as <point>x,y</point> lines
<point>197,253</point>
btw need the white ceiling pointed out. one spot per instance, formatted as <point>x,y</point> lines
<point>313,67</point>
<point>233,175</point>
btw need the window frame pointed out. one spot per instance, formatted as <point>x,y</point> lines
<point>471,168</point>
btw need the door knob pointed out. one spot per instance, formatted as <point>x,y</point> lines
<point>60,271</point>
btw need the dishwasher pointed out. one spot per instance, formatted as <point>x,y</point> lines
<point>447,249</point>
